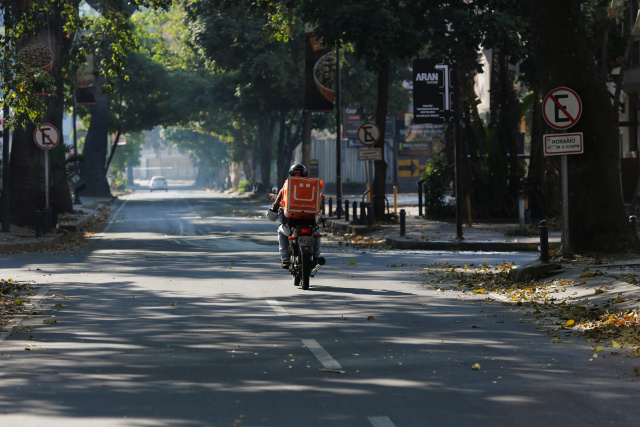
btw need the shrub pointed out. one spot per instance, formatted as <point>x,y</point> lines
<point>435,179</point>
<point>244,186</point>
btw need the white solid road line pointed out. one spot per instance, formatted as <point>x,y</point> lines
<point>277,307</point>
<point>381,422</point>
<point>325,358</point>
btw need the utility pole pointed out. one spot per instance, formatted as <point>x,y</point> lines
<point>6,213</point>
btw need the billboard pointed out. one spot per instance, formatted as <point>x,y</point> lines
<point>433,91</point>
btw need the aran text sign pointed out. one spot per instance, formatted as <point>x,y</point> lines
<point>563,143</point>
<point>433,91</point>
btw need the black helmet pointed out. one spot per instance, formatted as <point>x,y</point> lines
<point>297,169</point>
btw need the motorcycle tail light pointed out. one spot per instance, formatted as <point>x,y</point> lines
<point>305,231</point>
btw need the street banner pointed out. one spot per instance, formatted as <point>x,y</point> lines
<point>320,71</point>
<point>433,91</point>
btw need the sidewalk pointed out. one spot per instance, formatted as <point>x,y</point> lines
<point>23,239</point>
<point>426,234</point>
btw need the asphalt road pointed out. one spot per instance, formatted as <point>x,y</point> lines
<point>179,315</point>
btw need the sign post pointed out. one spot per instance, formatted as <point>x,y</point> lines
<point>369,134</point>
<point>436,99</point>
<point>46,136</point>
<point>562,109</point>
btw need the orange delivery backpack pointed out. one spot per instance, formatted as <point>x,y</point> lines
<point>302,197</point>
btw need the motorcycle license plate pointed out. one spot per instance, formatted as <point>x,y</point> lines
<point>305,240</point>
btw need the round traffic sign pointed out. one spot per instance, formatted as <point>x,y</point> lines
<point>369,133</point>
<point>562,108</point>
<point>46,136</point>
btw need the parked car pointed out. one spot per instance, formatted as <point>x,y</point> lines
<point>158,183</point>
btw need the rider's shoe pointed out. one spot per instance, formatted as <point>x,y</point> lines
<point>318,261</point>
<point>286,264</point>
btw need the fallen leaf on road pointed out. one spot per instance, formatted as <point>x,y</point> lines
<point>476,367</point>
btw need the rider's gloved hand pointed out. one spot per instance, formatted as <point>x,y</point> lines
<point>272,215</point>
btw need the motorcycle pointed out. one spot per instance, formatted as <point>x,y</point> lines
<point>301,243</point>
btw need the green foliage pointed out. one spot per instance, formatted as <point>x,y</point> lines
<point>244,186</point>
<point>435,180</point>
<point>119,181</point>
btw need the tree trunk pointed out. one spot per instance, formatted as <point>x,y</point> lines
<point>597,217</point>
<point>92,169</point>
<point>27,186</point>
<point>266,128</point>
<point>380,176</point>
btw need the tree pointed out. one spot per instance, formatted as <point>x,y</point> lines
<point>266,75</point>
<point>380,32</point>
<point>597,218</point>
<point>38,24</point>
<point>52,25</point>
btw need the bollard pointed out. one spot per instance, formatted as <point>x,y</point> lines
<point>544,241</point>
<point>346,210</point>
<point>420,197</point>
<point>45,221</point>
<point>363,213</point>
<point>633,222</point>
<point>38,223</point>
<point>354,209</point>
<point>370,215</point>
<point>330,206</point>
<point>403,223</point>
<point>338,208</point>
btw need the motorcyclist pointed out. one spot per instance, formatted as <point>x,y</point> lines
<point>276,213</point>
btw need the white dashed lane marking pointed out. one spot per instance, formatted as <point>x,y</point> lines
<point>381,422</point>
<point>321,354</point>
<point>280,311</point>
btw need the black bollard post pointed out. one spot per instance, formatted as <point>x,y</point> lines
<point>330,206</point>
<point>403,223</point>
<point>363,213</point>
<point>370,215</point>
<point>633,222</point>
<point>338,208</point>
<point>38,224</point>
<point>45,221</point>
<point>346,210</point>
<point>544,241</point>
<point>420,198</point>
<point>354,209</point>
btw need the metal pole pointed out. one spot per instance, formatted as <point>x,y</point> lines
<point>544,241</point>
<point>458,149</point>
<point>566,247</point>
<point>338,136</point>
<point>76,197</point>
<point>6,211</point>
<point>46,179</point>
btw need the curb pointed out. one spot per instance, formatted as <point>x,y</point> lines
<point>478,246</point>
<point>348,228</point>
<point>43,243</point>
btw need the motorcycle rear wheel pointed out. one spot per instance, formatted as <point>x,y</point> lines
<point>305,270</point>
<point>294,270</point>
